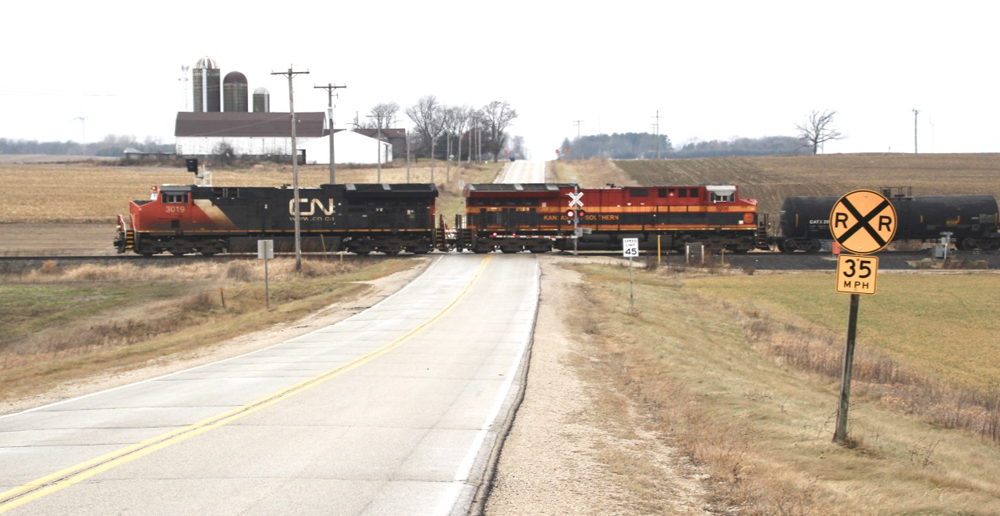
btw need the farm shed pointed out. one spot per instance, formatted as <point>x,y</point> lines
<point>349,147</point>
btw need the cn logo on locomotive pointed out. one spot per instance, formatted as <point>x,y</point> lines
<point>312,204</point>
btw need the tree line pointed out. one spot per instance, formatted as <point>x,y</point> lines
<point>468,133</point>
<point>111,145</point>
<point>652,146</point>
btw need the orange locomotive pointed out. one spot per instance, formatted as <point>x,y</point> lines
<point>540,217</point>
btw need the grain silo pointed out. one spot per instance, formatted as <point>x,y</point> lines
<point>207,93</point>
<point>261,101</point>
<point>234,93</point>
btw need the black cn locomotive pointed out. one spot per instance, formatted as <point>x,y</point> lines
<point>972,220</point>
<point>360,218</point>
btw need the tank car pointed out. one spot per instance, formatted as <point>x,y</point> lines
<point>540,217</point>
<point>361,218</point>
<point>972,221</point>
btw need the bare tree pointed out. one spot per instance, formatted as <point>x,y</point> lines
<point>817,129</point>
<point>383,116</point>
<point>462,117</point>
<point>496,117</point>
<point>424,115</point>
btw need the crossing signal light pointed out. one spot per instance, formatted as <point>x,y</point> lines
<point>577,214</point>
<point>570,213</point>
<point>580,214</point>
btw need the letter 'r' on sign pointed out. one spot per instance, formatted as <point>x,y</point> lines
<point>863,221</point>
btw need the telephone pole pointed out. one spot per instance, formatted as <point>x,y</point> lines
<point>378,141</point>
<point>578,123</point>
<point>329,110</point>
<point>657,117</point>
<point>915,113</point>
<point>295,166</point>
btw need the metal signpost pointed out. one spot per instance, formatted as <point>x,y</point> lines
<point>862,222</point>
<point>575,202</point>
<point>630,249</point>
<point>265,251</point>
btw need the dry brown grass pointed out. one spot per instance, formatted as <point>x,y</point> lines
<point>712,377</point>
<point>770,179</point>
<point>591,173</point>
<point>92,193</point>
<point>131,314</point>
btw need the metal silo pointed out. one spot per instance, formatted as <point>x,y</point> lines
<point>261,101</point>
<point>207,91</point>
<point>234,93</point>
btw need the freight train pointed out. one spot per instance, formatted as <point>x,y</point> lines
<point>972,220</point>
<point>392,218</point>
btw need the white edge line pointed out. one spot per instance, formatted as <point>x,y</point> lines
<point>446,503</point>
<point>175,373</point>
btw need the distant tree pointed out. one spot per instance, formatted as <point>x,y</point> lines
<point>496,117</point>
<point>382,116</point>
<point>818,129</point>
<point>425,115</point>
<point>224,154</point>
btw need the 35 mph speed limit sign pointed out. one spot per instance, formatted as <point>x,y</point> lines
<point>857,274</point>
<point>630,247</point>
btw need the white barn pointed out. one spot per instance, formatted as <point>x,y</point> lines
<point>348,147</point>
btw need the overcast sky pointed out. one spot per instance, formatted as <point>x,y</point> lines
<point>714,70</point>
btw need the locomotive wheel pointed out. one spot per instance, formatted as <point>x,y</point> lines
<point>966,244</point>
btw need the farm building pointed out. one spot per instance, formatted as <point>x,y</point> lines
<point>270,134</point>
<point>349,147</point>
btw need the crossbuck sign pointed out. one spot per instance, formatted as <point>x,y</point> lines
<point>575,200</point>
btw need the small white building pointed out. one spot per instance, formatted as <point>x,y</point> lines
<point>348,147</point>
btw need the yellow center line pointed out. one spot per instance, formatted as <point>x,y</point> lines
<point>67,477</point>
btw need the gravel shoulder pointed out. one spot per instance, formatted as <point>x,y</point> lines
<point>577,446</point>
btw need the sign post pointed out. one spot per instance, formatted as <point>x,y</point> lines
<point>630,249</point>
<point>265,251</point>
<point>861,222</point>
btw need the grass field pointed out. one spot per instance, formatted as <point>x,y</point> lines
<point>66,321</point>
<point>733,370</point>
<point>91,193</point>
<point>772,178</point>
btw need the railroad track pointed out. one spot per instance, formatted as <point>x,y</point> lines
<point>759,260</point>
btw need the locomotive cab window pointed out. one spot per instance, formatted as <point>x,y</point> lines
<point>639,192</point>
<point>694,192</point>
<point>175,198</point>
<point>662,192</point>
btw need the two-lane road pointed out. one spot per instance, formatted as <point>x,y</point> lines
<point>393,411</point>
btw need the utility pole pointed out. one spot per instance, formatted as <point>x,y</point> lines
<point>378,144</point>
<point>578,123</point>
<point>915,113</point>
<point>657,117</point>
<point>83,128</point>
<point>295,167</point>
<point>329,112</point>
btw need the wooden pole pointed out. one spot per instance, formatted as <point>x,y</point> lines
<point>840,436</point>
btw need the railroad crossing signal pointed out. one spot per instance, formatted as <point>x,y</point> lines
<point>863,221</point>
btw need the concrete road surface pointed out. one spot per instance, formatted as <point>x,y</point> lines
<point>392,411</point>
<point>524,172</point>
